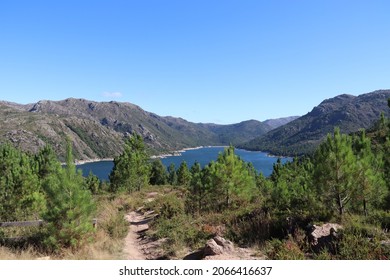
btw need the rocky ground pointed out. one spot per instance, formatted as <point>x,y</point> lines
<point>139,246</point>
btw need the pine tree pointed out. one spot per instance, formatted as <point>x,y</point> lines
<point>47,162</point>
<point>172,174</point>
<point>158,173</point>
<point>70,207</point>
<point>194,203</point>
<point>371,188</point>
<point>183,175</point>
<point>230,176</point>
<point>131,170</point>
<point>92,183</point>
<point>21,197</point>
<point>386,170</point>
<point>335,168</point>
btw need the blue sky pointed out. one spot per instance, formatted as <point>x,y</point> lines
<point>206,61</point>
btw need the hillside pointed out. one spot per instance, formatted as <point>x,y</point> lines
<point>303,135</point>
<point>97,129</point>
<point>238,133</point>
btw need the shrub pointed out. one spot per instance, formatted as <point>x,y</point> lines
<point>284,250</point>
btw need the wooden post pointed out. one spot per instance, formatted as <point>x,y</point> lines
<point>94,223</point>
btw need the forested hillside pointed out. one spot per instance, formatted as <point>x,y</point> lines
<point>303,135</point>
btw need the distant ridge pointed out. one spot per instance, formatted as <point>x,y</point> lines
<point>98,129</point>
<point>303,135</point>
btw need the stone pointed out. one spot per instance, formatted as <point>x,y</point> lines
<point>218,246</point>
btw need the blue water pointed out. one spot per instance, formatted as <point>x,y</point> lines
<point>261,161</point>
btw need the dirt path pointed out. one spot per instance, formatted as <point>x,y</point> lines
<point>132,249</point>
<point>138,246</point>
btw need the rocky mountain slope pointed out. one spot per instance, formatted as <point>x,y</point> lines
<point>98,129</point>
<point>302,135</point>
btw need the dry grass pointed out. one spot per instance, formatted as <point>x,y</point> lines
<point>109,237</point>
<point>26,254</point>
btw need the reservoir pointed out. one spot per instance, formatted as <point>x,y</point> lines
<point>261,161</point>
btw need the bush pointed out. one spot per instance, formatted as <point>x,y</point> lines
<point>249,228</point>
<point>179,232</point>
<point>356,246</point>
<point>167,206</point>
<point>284,250</point>
<point>381,218</point>
<point>361,241</point>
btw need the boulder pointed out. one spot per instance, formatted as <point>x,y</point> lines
<point>218,246</point>
<point>321,237</point>
<point>326,230</point>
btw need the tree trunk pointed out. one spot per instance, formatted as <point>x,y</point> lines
<point>365,207</point>
<point>340,205</point>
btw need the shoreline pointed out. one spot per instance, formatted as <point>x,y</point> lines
<point>176,153</point>
<point>85,161</point>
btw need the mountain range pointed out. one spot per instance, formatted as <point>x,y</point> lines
<point>98,129</point>
<point>301,136</point>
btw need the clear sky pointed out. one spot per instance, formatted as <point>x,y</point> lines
<point>204,60</point>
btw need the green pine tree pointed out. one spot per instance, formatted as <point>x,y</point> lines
<point>131,170</point>
<point>92,183</point>
<point>369,179</point>
<point>21,197</point>
<point>334,172</point>
<point>183,175</point>
<point>70,207</point>
<point>172,174</point>
<point>194,203</point>
<point>231,178</point>
<point>158,173</point>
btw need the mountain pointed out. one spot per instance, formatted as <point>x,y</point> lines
<point>238,133</point>
<point>350,113</point>
<point>275,123</point>
<point>98,129</point>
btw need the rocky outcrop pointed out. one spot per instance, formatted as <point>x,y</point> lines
<point>218,246</point>
<point>321,237</point>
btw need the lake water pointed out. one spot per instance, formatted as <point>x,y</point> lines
<point>261,161</point>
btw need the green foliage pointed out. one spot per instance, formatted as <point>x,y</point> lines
<point>180,232</point>
<point>230,178</point>
<point>47,162</point>
<point>131,169</point>
<point>334,172</point>
<point>92,183</point>
<point>21,197</point>
<point>386,170</point>
<point>174,225</point>
<point>172,175</point>
<point>359,242</point>
<point>194,202</point>
<point>158,173</point>
<point>290,190</point>
<point>70,208</point>
<point>168,206</point>
<point>381,218</point>
<point>371,188</point>
<point>305,134</point>
<point>183,175</point>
